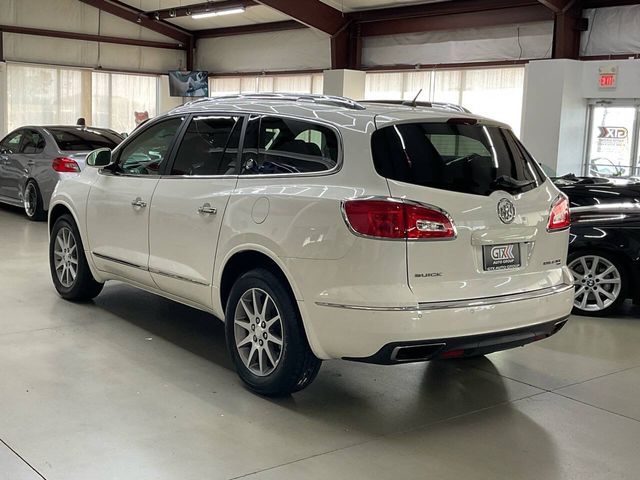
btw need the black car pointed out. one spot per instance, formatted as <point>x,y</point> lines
<point>604,244</point>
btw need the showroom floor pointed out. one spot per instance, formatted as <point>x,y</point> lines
<point>137,387</point>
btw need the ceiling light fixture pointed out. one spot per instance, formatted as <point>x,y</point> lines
<point>216,13</point>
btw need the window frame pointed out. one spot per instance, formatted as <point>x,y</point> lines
<point>19,131</point>
<point>32,131</point>
<point>244,117</point>
<point>321,173</point>
<point>171,151</point>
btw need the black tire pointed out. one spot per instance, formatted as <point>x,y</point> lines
<point>624,283</point>
<point>35,213</point>
<point>297,366</point>
<point>84,286</point>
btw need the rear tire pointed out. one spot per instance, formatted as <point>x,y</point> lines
<point>70,272</point>
<point>265,336</point>
<point>601,282</point>
<point>32,201</point>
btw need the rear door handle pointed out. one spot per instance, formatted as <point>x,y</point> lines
<point>138,203</point>
<point>207,209</point>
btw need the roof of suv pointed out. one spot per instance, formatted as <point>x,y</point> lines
<point>339,111</point>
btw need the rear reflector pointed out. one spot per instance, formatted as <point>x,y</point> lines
<point>65,165</point>
<point>452,354</point>
<point>394,219</point>
<point>560,216</point>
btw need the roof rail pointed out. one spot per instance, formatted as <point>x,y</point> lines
<point>289,97</point>
<point>439,105</point>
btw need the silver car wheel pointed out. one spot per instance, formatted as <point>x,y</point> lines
<point>258,332</point>
<point>30,199</point>
<point>65,257</point>
<point>597,281</point>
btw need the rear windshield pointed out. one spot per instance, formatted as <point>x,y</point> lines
<point>84,139</point>
<point>472,159</point>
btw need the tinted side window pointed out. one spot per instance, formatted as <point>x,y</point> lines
<point>285,145</point>
<point>11,143</point>
<point>147,152</point>
<point>77,139</point>
<point>33,142</point>
<point>209,147</point>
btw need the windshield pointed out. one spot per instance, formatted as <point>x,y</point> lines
<point>473,159</point>
<point>79,139</point>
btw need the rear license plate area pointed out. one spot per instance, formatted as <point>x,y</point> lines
<point>501,257</point>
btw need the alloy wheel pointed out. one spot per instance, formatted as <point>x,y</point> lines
<point>597,281</point>
<point>258,332</point>
<point>65,257</point>
<point>30,199</point>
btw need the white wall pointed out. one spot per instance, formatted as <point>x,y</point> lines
<point>74,16</point>
<point>512,42</point>
<point>287,50</point>
<point>556,97</point>
<point>613,30</point>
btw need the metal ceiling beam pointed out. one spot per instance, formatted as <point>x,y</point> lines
<point>452,21</point>
<point>134,15</point>
<point>186,10</point>
<point>90,38</point>
<point>558,6</point>
<point>608,3</point>
<point>437,9</point>
<point>312,13</point>
<point>248,29</point>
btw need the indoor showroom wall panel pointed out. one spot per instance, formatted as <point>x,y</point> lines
<point>512,42</point>
<point>72,16</point>
<point>60,51</point>
<point>287,50</point>
<point>614,30</point>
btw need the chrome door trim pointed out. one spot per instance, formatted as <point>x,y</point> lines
<point>178,277</point>
<point>454,304</point>
<point>117,260</point>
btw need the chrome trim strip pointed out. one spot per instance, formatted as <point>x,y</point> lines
<point>481,302</point>
<point>178,277</point>
<point>121,262</point>
<point>468,303</point>
<point>606,207</point>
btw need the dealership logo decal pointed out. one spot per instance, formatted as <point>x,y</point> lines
<point>613,132</point>
<point>504,252</point>
<point>506,211</point>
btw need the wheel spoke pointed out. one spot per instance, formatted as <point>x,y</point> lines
<point>609,295</point>
<point>255,302</point>
<point>254,349</point>
<point>610,269</point>
<point>583,302</point>
<point>243,324</point>
<point>598,300</point>
<point>260,361</point>
<point>594,265</point>
<point>246,309</point>
<point>610,281</point>
<point>272,321</point>
<point>583,262</point>
<point>274,339</point>
<point>244,341</point>
<point>267,350</point>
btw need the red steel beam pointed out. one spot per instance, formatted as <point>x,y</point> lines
<point>558,6</point>
<point>247,29</point>
<point>90,38</point>
<point>450,7</point>
<point>505,16</point>
<point>135,15</point>
<point>312,13</point>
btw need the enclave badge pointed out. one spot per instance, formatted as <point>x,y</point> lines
<point>506,211</point>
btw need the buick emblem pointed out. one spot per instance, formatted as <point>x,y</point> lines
<point>506,211</point>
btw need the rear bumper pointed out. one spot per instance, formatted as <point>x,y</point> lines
<point>460,347</point>
<point>371,334</point>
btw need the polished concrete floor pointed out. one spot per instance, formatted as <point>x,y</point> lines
<point>133,386</point>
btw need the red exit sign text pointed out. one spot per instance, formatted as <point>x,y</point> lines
<point>608,80</point>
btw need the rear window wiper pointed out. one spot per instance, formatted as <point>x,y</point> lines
<point>505,181</point>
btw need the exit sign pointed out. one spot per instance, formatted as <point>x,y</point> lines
<point>607,77</point>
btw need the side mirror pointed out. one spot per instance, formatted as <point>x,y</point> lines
<point>99,158</point>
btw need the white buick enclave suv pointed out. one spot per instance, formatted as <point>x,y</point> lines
<point>321,228</point>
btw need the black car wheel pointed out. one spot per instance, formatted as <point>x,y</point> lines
<point>600,280</point>
<point>32,200</point>
<point>265,336</point>
<point>69,269</point>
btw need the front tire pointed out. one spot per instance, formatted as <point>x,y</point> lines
<point>70,272</point>
<point>601,282</point>
<point>265,336</point>
<point>32,201</point>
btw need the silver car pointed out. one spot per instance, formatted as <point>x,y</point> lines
<point>34,159</point>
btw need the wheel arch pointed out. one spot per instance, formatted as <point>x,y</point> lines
<point>247,259</point>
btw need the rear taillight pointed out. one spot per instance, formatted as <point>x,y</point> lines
<point>559,217</point>
<point>395,219</point>
<point>64,164</point>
